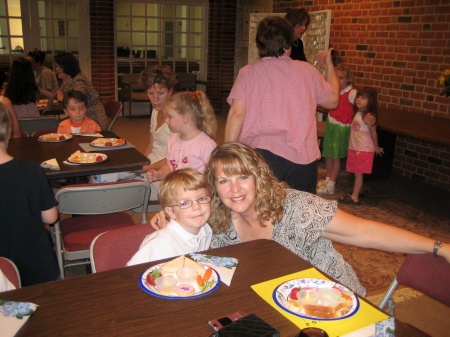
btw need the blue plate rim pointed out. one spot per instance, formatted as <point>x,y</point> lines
<point>141,281</point>
<point>274,297</point>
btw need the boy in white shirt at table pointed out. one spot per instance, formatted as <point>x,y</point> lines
<point>186,197</point>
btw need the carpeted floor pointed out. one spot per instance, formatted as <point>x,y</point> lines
<point>396,201</point>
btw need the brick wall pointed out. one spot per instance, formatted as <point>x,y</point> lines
<point>221,51</point>
<point>424,161</point>
<point>400,47</point>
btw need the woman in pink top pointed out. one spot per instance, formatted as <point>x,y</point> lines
<point>273,105</point>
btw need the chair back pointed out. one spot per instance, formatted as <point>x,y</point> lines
<point>24,134</point>
<point>11,272</point>
<point>33,124</point>
<point>113,249</point>
<point>186,82</point>
<point>102,206</point>
<point>104,198</point>
<point>427,273</point>
<point>112,110</point>
<point>44,132</point>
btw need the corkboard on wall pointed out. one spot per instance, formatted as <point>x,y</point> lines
<point>316,38</point>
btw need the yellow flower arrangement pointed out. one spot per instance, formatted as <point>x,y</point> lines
<point>444,80</point>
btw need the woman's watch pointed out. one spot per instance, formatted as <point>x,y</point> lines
<point>437,245</point>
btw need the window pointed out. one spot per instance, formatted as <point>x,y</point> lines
<point>50,25</point>
<point>165,32</point>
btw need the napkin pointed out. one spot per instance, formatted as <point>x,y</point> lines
<point>51,164</point>
<point>13,315</point>
<point>365,315</point>
<point>225,266</point>
<point>89,134</point>
<point>384,328</point>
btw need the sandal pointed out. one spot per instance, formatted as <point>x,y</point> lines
<point>347,200</point>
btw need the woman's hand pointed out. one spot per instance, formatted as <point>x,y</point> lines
<point>159,220</point>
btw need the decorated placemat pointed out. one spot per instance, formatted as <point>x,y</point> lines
<point>364,316</point>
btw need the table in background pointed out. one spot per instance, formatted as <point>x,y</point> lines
<point>119,160</point>
<point>55,110</point>
<point>111,303</point>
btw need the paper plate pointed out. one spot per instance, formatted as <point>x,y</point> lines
<point>55,137</point>
<point>87,158</point>
<point>281,296</point>
<point>152,290</point>
<point>108,142</point>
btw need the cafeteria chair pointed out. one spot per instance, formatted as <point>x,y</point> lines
<point>24,134</point>
<point>423,272</point>
<point>112,110</point>
<point>95,208</point>
<point>32,124</point>
<point>114,248</point>
<point>10,270</point>
<point>42,132</point>
<point>133,91</point>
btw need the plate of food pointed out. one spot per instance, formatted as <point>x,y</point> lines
<point>87,158</point>
<point>55,137</point>
<point>316,299</point>
<point>180,278</point>
<point>108,142</point>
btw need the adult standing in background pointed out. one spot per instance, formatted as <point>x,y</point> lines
<point>273,105</point>
<point>22,89</point>
<point>300,19</point>
<point>68,70</point>
<point>45,77</point>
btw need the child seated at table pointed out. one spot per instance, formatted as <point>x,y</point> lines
<point>75,106</point>
<point>186,197</point>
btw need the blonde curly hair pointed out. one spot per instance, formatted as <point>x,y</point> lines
<point>239,159</point>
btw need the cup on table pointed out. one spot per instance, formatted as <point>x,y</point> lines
<point>187,275</point>
<point>166,284</point>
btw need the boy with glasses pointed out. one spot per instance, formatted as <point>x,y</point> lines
<point>186,197</point>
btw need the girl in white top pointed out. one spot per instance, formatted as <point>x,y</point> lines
<point>191,118</point>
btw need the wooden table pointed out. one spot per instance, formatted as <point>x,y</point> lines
<point>30,148</point>
<point>111,303</point>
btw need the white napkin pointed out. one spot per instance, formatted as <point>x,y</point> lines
<point>51,164</point>
<point>89,134</point>
<point>385,328</point>
<point>225,266</point>
<point>13,315</point>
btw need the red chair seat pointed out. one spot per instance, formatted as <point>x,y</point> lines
<point>93,225</point>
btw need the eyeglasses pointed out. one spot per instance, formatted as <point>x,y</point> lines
<point>183,204</point>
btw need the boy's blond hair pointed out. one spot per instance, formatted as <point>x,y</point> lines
<point>185,178</point>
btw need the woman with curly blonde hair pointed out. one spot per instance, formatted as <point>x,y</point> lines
<point>248,203</point>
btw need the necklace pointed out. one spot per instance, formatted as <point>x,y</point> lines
<point>295,43</point>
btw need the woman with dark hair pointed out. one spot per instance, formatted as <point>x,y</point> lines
<point>68,70</point>
<point>45,78</point>
<point>22,89</point>
<point>16,132</point>
<point>300,19</point>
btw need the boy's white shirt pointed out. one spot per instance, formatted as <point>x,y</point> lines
<point>171,241</point>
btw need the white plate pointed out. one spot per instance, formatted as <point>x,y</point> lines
<point>108,142</point>
<point>281,295</point>
<point>152,290</point>
<point>55,137</point>
<point>87,158</point>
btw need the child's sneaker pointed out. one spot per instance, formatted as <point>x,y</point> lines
<point>322,182</point>
<point>325,189</point>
